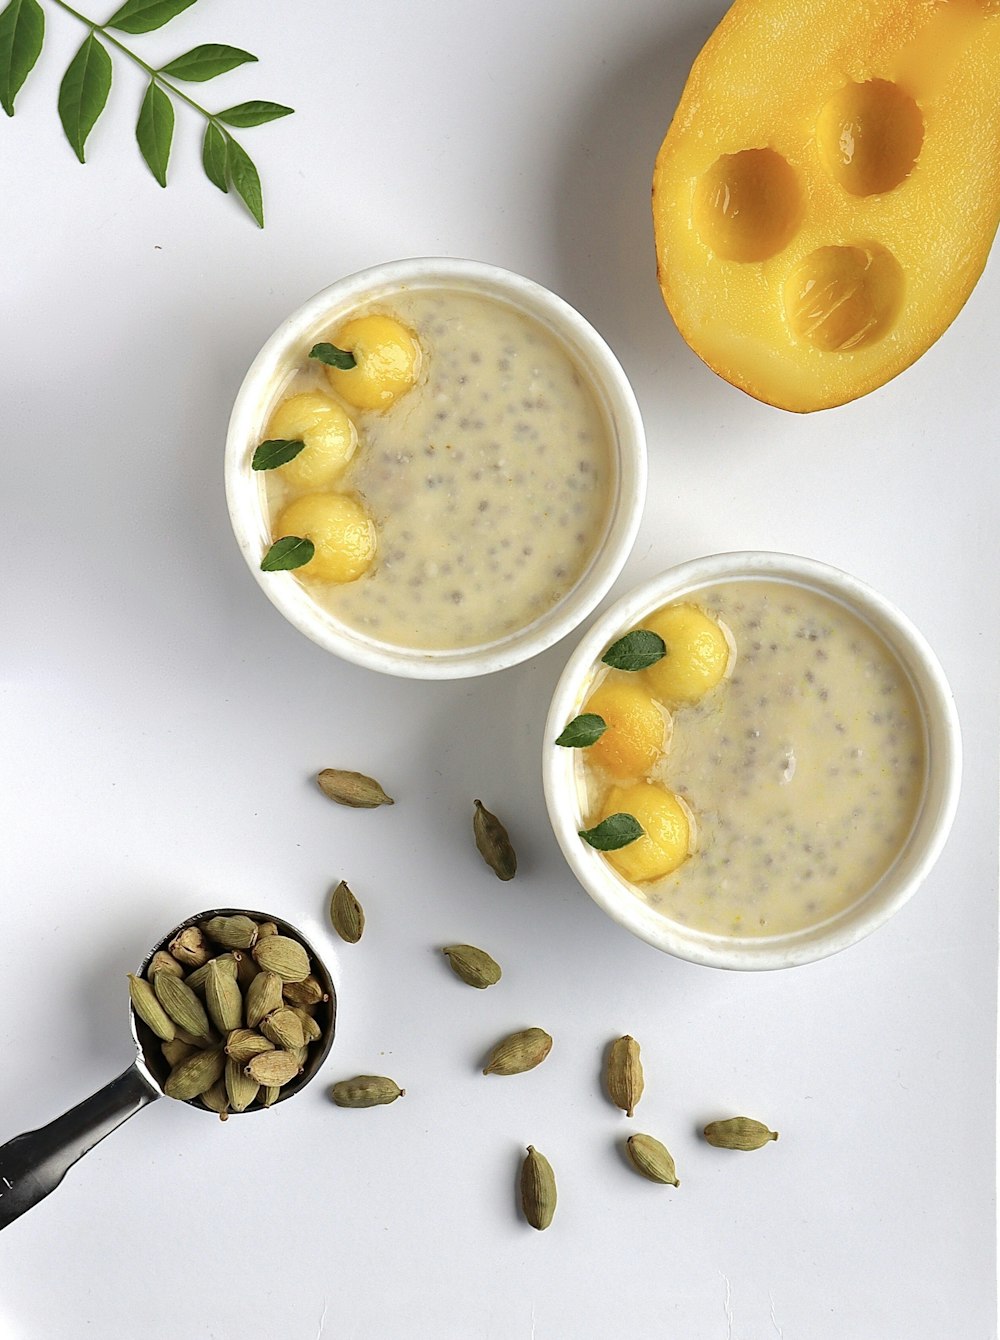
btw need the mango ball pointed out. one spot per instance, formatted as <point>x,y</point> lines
<point>329,436</point>
<point>697,654</point>
<point>387,359</point>
<point>666,837</point>
<point>633,740</point>
<point>341,530</point>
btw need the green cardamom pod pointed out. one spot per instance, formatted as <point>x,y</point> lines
<point>195,1074</point>
<point>538,1189</point>
<point>176,1051</point>
<point>651,1159</point>
<point>246,968</point>
<point>284,1029</point>
<point>347,914</point>
<point>493,842</point>
<point>163,962</point>
<point>266,928</point>
<point>311,1031</point>
<point>237,932</point>
<point>181,1003</point>
<point>304,993</point>
<point>196,979</point>
<point>273,1068</point>
<point>269,1093</point>
<point>149,1009</point>
<point>241,1087</point>
<point>263,997</point>
<point>518,1052</point>
<point>366,1091</point>
<point>283,956</point>
<point>189,947</point>
<point>352,788</point>
<point>738,1133</point>
<point>243,1044</point>
<point>474,966</point>
<point>223,999</point>
<point>216,1099</point>
<point>624,1074</point>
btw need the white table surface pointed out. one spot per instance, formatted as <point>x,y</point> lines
<point>162,722</point>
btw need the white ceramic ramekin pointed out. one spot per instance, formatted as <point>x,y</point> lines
<point>288,347</point>
<point>944,766</point>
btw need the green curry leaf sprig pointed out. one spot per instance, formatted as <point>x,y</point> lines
<point>86,86</point>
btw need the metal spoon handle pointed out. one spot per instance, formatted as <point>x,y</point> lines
<point>33,1164</point>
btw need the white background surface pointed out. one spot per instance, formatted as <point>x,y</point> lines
<point>161,724</point>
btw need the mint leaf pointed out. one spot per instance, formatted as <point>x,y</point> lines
<point>635,651</point>
<point>334,357</point>
<point>22,32</point>
<point>83,93</point>
<point>291,551</point>
<point>277,451</point>
<point>246,114</point>
<point>618,830</point>
<point>143,16</point>
<point>155,130</point>
<point>583,731</point>
<point>246,181</point>
<point>206,62</point>
<point>215,157</point>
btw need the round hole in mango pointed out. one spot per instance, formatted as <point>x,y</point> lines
<point>870,136</point>
<point>748,205</point>
<point>844,298</point>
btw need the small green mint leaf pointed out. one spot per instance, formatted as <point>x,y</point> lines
<point>22,32</point>
<point>277,451</point>
<point>334,357</point>
<point>617,830</point>
<point>583,731</point>
<point>247,114</point>
<point>83,93</point>
<point>207,62</point>
<point>635,651</point>
<point>291,551</point>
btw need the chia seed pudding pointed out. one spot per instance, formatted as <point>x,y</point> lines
<point>490,482</point>
<point>804,769</point>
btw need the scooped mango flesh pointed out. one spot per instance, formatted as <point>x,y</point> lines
<point>666,832</point>
<point>635,729</point>
<point>827,194</point>
<point>697,654</point>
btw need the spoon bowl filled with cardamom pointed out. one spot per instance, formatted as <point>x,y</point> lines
<point>231,1012</point>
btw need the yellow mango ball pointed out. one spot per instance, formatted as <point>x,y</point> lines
<point>341,530</point>
<point>635,731</point>
<point>666,837</point>
<point>330,438</point>
<point>387,362</point>
<point>697,654</point>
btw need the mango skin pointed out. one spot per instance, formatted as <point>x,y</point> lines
<point>341,530</point>
<point>633,741</point>
<point>866,279</point>
<point>666,838</point>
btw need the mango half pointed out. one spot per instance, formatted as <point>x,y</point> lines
<point>827,193</point>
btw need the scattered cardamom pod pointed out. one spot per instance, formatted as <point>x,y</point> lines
<point>240,1086</point>
<point>194,1075</point>
<point>493,842</point>
<point>366,1091</point>
<point>163,962</point>
<point>284,1029</point>
<point>738,1133</point>
<point>266,928</point>
<point>538,1189</point>
<point>238,932</point>
<point>305,993</point>
<point>216,1099</point>
<point>651,1159</point>
<point>148,1008</point>
<point>474,966</point>
<point>227,963</point>
<point>175,1052</point>
<point>189,947</point>
<point>264,996</point>
<point>283,956</point>
<point>624,1074</point>
<point>352,788</point>
<point>181,1003</point>
<point>347,914</point>
<point>273,1068</point>
<point>223,998</point>
<point>243,1044</point>
<point>269,1093</point>
<point>518,1052</point>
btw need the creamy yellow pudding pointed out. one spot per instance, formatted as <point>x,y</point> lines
<point>801,763</point>
<point>487,473</point>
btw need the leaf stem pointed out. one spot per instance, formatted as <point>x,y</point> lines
<point>155,75</point>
